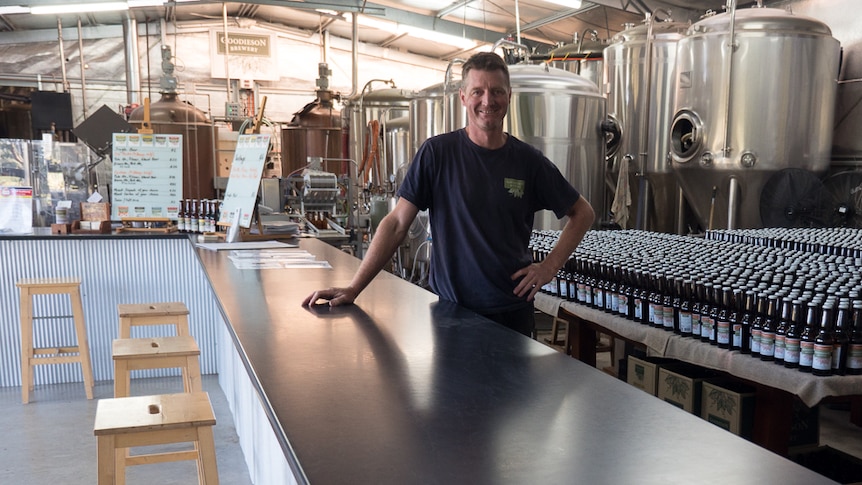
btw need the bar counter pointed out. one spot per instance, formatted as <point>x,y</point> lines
<point>402,388</point>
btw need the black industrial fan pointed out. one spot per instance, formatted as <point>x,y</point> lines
<point>794,197</point>
<point>846,191</point>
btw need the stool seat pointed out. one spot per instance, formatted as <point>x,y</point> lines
<point>156,353</point>
<point>128,422</point>
<point>32,356</point>
<point>163,313</point>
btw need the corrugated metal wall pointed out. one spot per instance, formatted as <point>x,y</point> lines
<point>112,271</point>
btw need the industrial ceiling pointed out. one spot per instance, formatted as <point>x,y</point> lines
<point>539,24</point>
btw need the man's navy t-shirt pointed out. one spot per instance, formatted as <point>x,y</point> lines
<point>481,205</point>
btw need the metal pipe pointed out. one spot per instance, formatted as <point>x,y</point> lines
<point>644,194</point>
<point>680,211</point>
<point>509,43</point>
<point>226,50</point>
<point>595,37</point>
<point>731,5</point>
<point>62,54</point>
<point>133,70</point>
<point>447,80</point>
<point>517,23</point>
<point>354,55</point>
<point>83,67</point>
<point>732,202</point>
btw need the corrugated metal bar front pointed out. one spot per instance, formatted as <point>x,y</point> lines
<point>112,271</point>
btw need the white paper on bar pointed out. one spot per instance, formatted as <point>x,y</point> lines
<point>273,264</point>
<point>247,245</point>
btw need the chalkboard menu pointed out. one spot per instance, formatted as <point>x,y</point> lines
<point>244,180</point>
<point>147,176</point>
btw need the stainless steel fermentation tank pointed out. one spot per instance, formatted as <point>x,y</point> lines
<point>641,66</point>
<point>755,95</point>
<point>380,114</point>
<point>561,113</point>
<point>584,57</point>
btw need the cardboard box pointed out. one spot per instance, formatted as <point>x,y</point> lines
<point>680,385</point>
<point>642,372</point>
<point>729,404</point>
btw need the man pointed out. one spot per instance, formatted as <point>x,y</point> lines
<point>482,188</point>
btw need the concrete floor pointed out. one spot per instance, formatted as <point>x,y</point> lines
<point>50,440</point>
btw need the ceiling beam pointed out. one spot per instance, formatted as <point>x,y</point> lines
<point>564,14</point>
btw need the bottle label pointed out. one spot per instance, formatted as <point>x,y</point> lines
<point>598,298</point>
<point>685,322</point>
<point>564,289</point>
<point>792,350</point>
<point>822,357</point>
<point>779,347</point>
<point>767,344</point>
<point>854,356</point>
<point>667,317</point>
<point>695,324</point>
<point>722,332</point>
<point>582,292</point>
<point>652,313</point>
<point>806,354</point>
<point>623,305</point>
<point>755,340</point>
<point>615,302</point>
<point>639,314</point>
<point>737,335</point>
<point>705,326</point>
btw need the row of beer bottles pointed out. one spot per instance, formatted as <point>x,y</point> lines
<point>717,307</point>
<point>199,215</point>
<point>837,241</point>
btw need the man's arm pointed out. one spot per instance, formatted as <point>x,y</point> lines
<point>389,235</point>
<point>534,276</point>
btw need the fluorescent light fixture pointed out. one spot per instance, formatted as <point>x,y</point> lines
<point>14,9</point>
<point>429,35</point>
<point>146,3</point>
<point>78,8</point>
<point>566,3</point>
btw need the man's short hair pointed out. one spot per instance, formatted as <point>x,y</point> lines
<point>485,61</point>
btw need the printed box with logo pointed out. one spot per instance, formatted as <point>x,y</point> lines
<point>642,372</point>
<point>729,404</point>
<point>680,385</point>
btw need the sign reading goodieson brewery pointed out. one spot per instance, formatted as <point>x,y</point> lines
<point>244,44</point>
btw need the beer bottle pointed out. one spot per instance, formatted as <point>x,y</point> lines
<point>806,339</point>
<point>181,218</point>
<point>722,321</point>
<point>793,336</point>
<point>767,334</point>
<point>840,338</point>
<point>821,364</point>
<point>683,320</point>
<point>781,331</point>
<point>854,351</point>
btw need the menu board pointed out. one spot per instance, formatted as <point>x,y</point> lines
<point>243,183</point>
<point>148,175</point>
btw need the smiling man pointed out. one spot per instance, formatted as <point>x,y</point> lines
<point>481,187</point>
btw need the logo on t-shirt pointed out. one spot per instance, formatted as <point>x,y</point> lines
<point>514,186</point>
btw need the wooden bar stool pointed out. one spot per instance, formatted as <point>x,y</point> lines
<point>31,356</point>
<point>170,313</point>
<point>127,422</point>
<point>156,353</point>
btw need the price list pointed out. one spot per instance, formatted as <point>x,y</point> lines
<point>147,176</point>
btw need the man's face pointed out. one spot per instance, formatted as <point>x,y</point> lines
<point>485,96</point>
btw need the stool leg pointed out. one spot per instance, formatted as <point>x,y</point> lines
<point>122,380</point>
<point>183,325</point>
<point>83,345</point>
<point>208,468</point>
<point>192,375</point>
<point>26,308</point>
<point>105,458</point>
<point>125,327</point>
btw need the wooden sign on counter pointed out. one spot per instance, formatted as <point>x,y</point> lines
<point>147,176</point>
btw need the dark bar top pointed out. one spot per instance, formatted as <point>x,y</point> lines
<point>401,388</point>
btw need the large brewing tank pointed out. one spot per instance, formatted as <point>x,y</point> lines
<point>169,115</point>
<point>743,114</point>
<point>314,131</point>
<point>584,56</point>
<point>435,110</point>
<point>561,113</point>
<point>382,106</point>
<point>641,67</point>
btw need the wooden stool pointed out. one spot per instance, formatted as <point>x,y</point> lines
<point>135,314</point>
<point>555,332</point>
<point>53,355</point>
<point>156,353</point>
<point>126,422</point>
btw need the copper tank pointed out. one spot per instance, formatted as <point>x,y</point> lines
<point>169,115</point>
